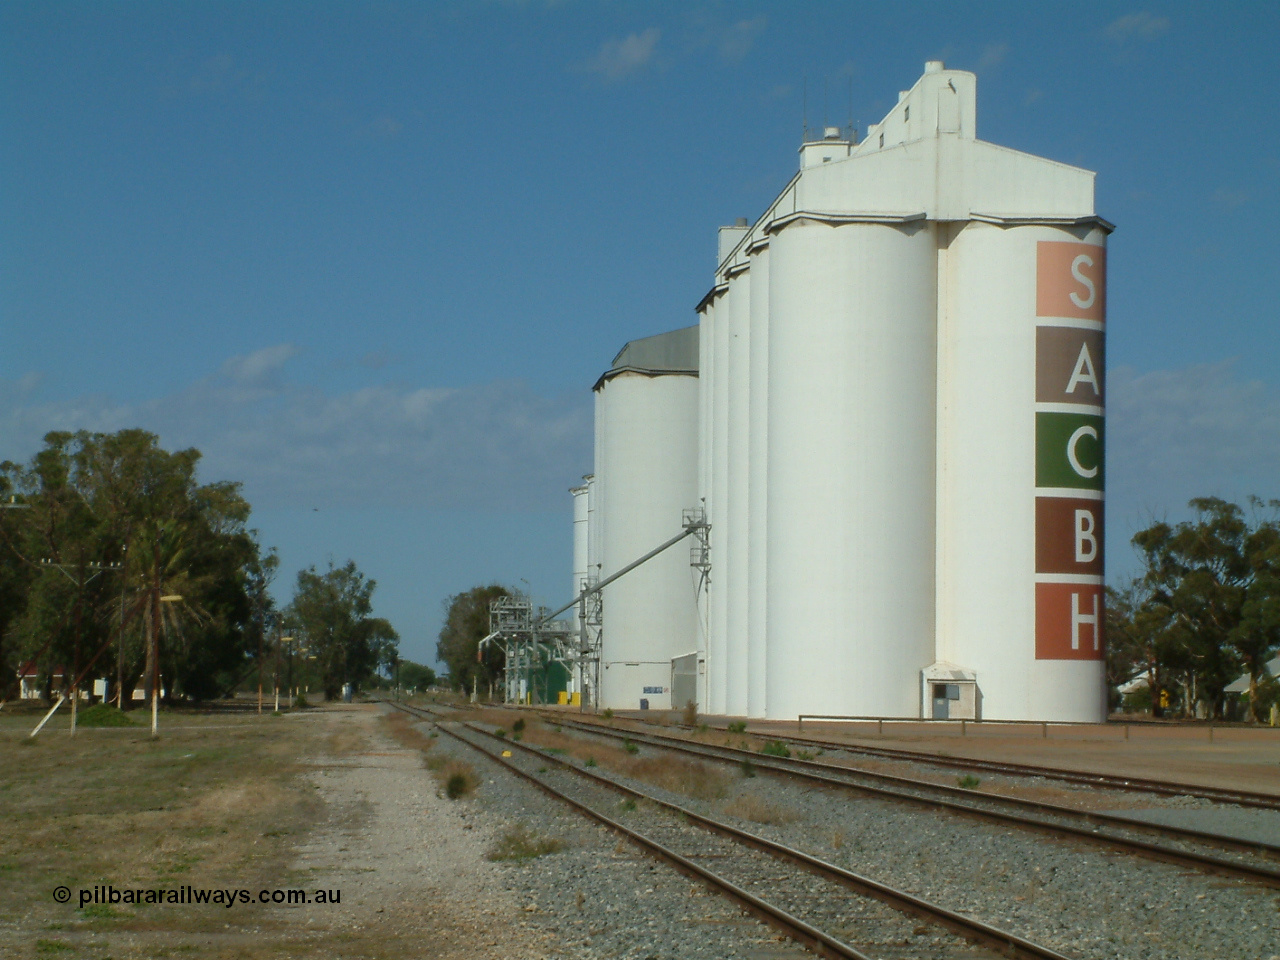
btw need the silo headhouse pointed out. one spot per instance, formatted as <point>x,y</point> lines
<point>891,414</point>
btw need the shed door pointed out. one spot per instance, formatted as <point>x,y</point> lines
<point>943,694</point>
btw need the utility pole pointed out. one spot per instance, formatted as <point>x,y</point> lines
<point>81,581</point>
<point>261,634</point>
<point>155,639</point>
<point>275,673</point>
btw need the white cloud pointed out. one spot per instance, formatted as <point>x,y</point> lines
<point>500,446</point>
<point>992,56</point>
<point>738,39</point>
<point>1177,434</point>
<point>261,365</point>
<point>1137,26</point>
<point>619,59</point>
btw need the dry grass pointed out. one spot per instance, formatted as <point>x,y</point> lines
<point>210,802</point>
<point>520,843</point>
<point>749,806</point>
<point>690,778</point>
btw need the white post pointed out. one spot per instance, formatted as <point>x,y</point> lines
<point>40,725</point>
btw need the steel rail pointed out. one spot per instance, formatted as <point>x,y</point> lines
<point>1245,798</point>
<point>1006,944</point>
<point>809,770</point>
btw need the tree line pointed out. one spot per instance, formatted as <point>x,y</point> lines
<point>1204,611</point>
<point>115,561</point>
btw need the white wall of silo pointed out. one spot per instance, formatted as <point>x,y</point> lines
<point>733,554</point>
<point>706,406</point>
<point>851,467</point>
<point>718,592</point>
<point>757,487</point>
<point>988,486</point>
<point>648,462</point>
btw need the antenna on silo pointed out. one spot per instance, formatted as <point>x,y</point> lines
<point>849,115</point>
<point>804,110</point>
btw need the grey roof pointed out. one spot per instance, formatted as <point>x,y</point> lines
<point>672,352</point>
<point>663,353</point>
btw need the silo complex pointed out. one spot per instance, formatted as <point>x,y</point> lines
<point>893,419</point>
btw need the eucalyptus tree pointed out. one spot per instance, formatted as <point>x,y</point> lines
<point>121,545</point>
<point>332,613</point>
<point>466,623</point>
<point>1213,596</point>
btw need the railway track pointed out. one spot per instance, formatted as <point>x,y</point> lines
<point>1179,846</point>
<point>1244,798</point>
<point>808,899</point>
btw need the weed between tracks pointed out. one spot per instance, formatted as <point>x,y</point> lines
<point>687,777</point>
<point>749,806</point>
<point>518,842</point>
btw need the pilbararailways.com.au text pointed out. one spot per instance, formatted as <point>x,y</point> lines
<point>111,895</point>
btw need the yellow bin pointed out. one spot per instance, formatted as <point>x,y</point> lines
<point>562,698</point>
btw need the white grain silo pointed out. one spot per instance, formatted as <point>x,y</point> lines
<point>914,547</point>
<point>646,476</point>
<point>851,463</point>
<point>718,508</point>
<point>1021,480</point>
<point>899,433</point>
<point>737,302</point>
<point>757,485</point>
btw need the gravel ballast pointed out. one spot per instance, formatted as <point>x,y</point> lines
<point>1069,896</point>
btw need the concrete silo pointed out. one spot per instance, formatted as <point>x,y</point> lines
<point>898,433</point>
<point>646,476</point>
<point>1021,481</point>
<point>850,467</point>
<point>757,484</point>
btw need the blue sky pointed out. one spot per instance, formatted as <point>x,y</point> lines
<point>370,258</point>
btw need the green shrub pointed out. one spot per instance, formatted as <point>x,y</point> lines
<point>101,715</point>
<point>775,748</point>
<point>457,786</point>
<point>518,726</point>
<point>500,733</point>
<point>300,702</point>
<point>608,713</point>
<point>748,769</point>
<point>630,747</point>
<point>628,804</point>
<point>738,726</point>
<point>804,755</point>
<point>969,781</point>
<point>589,762</point>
